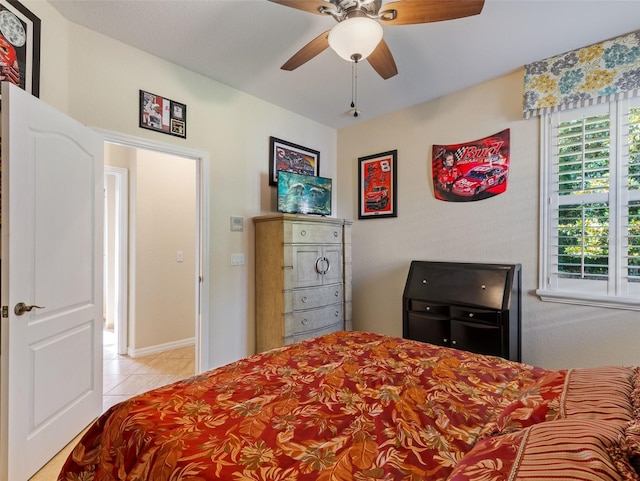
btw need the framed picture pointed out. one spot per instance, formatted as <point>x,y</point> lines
<point>294,158</point>
<point>163,115</point>
<point>19,46</point>
<point>377,196</point>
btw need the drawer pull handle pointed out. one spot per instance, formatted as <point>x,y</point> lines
<point>305,321</point>
<point>337,293</point>
<point>335,234</point>
<point>424,281</point>
<point>428,308</point>
<point>322,265</point>
<point>445,340</point>
<point>337,313</point>
<point>484,287</point>
<point>471,314</point>
<point>453,342</point>
<point>303,232</point>
<point>304,299</point>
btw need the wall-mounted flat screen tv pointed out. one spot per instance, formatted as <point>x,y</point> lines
<point>303,194</point>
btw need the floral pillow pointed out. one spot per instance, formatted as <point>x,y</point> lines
<point>604,393</point>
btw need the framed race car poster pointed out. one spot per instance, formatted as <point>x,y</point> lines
<point>377,196</point>
<point>291,157</point>
<point>473,170</point>
<point>19,46</point>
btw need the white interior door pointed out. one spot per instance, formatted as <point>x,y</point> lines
<point>52,222</point>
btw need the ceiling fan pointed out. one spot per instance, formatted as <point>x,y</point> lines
<point>358,34</point>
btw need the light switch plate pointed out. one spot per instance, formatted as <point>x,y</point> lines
<point>237,224</point>
<point>237,259</point>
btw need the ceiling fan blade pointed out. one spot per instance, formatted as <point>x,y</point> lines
<point>306,53</point>
<point>311,6</point>
<point>407,12</point>
<point>382,61</point>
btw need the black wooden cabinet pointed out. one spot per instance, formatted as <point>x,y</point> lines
<point>468,306</point>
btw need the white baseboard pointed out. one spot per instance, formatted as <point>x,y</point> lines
<point>168,346</point>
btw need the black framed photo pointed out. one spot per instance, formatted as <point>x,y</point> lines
<point>377,186</point>
<point>291,157</point>
<point>163,115</point>
<point>19,46</point>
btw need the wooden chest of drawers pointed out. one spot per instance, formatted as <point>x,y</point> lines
<point>303,278</point>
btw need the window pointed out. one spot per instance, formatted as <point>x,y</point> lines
<point>590,205</point>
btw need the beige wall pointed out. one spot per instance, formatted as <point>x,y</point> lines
<point>97,80</point>
<point>164,223</point>
<point>501,229</point>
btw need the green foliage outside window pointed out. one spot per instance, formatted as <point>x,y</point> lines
<point>583,227</point>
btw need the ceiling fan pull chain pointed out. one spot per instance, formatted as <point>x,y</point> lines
<point>354,87</point>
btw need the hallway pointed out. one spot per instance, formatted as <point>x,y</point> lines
<point>125,377</point>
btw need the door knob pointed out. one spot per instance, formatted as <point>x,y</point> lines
<point>21,308</point>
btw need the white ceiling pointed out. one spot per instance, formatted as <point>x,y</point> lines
<point>243,43</point>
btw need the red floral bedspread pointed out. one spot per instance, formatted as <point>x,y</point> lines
<point>346,406</point>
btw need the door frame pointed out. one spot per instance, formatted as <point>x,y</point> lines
<point>121,253</point>
<point>202,229</point>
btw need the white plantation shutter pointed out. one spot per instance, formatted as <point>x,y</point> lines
<point>633,259</point>
<point>590,206</point>
<point>632,220</point>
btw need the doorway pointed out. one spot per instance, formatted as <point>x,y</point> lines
<point>116,247</point>
<point>126,249</point>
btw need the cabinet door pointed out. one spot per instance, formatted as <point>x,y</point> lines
<point>332,264</point>
<point>476,337</point>
<point>427,329</point>
<point>316,265</point>
<point>305,271</point>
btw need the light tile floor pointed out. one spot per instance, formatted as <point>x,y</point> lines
<point>125,377</point>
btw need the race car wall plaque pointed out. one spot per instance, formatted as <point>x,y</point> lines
<point>473,170</point>
<point>377,196</point>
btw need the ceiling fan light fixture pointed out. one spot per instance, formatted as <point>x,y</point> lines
<point>355,38</point>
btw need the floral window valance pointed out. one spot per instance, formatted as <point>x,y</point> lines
<point>599,73</point>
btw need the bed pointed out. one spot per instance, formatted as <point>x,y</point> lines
<point>362,406</point>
